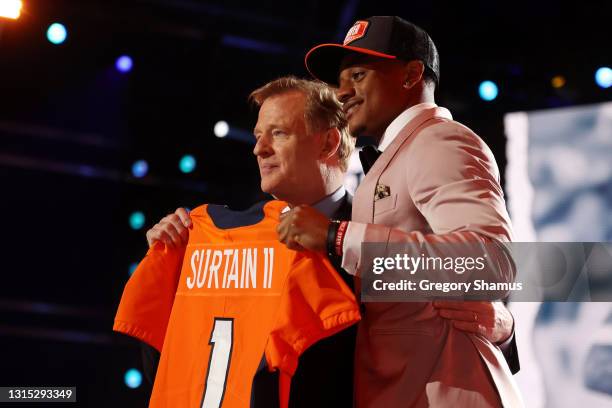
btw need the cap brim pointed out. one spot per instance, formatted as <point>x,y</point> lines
<point>323,61</point>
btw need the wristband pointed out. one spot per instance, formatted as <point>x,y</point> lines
<point>340,233</point>
<point>332,230</point>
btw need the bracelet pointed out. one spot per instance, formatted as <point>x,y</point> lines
<point>340,237</point>
<point>332,231</point>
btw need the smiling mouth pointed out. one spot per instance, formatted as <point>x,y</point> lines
<point>351,110</point>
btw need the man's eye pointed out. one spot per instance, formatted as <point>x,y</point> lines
<point>357,75</point>
<point>278,133</point>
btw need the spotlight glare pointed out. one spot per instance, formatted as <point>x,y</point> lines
<point>187,163</point>
<point>56,33</point>
<point>140,168</point>
<point>603,77</point>
<point>558,81</point>
<point>124,63</point>
<point>133,378</point>
<point>488,90</point>
<point>137,220</point>
<point>221,128</point>
<point>10,9</point>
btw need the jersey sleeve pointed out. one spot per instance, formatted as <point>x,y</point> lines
<point>146,303</point>
<point>315,303</point>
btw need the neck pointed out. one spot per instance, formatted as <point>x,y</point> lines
<point>425,97</point>
<point>331,180</point>
<point>425,94</point>
<point>333,177</point>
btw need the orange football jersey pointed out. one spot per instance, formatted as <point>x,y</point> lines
<point>234,301</point>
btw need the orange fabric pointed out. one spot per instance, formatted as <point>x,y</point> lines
<point>274,301</point>
<point>140,314</point>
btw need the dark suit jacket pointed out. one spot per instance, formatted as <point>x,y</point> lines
<point>324,377</point>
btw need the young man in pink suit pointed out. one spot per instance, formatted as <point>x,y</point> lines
<point>435,181</point>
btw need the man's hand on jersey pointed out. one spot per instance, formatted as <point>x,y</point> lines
<point>303,228</point>
<point>490,319</point>
<point>172,230</point>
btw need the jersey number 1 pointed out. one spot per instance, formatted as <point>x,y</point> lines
<point>222,342</point>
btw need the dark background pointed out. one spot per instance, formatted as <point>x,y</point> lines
<point>71,126</point>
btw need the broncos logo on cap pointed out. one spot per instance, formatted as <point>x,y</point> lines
<point>357,31</point>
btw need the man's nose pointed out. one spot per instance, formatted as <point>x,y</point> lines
<point>262,147</point>
<point>345,92</point>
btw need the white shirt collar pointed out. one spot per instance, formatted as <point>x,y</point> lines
<point>402,120</point>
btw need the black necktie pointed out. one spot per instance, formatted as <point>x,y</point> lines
<point>368,156</point>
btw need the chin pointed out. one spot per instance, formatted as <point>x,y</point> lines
<point>270,187</point>
<point>357,130</point>
<point>278,194</point>
<point>266,187</point>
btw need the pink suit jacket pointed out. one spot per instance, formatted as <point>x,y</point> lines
<point>444,187</point>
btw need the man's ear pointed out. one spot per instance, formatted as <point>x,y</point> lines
<point>330,143</point>
<point>413,73</point>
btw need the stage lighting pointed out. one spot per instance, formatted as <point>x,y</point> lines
<point>221,128</point>
<point>124,63</point>
<point>137,220</point>
<point>487,90</point>
<point>558,81</point>
<point>187,163</point>
<point>56,33</point>
<point>10,9</point>
<point>603,77</point>
<point>132,268</point>
<point>140,168</point>
<point>133,378</point>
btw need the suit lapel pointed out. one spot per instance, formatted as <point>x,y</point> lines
<point>363,206</point>
<point>344,211</point>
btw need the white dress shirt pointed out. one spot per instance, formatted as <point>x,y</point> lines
<point>351,246</point>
